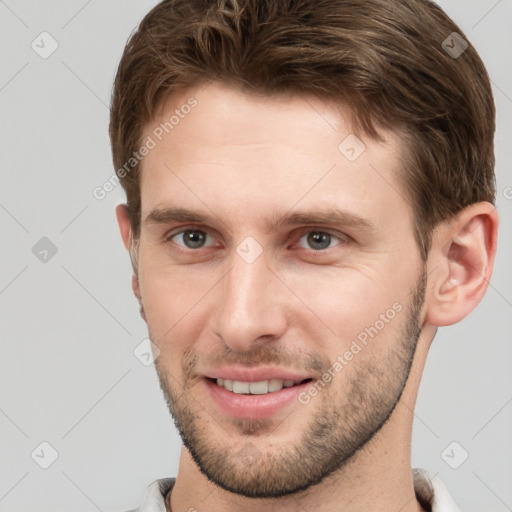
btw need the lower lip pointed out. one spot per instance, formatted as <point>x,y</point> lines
<point>253,406</point>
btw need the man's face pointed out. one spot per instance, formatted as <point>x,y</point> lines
<point>330,305</point>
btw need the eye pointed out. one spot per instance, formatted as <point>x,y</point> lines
<point>190,238</point>
<point>320,240</point>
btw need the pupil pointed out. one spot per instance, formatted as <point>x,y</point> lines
<point>320,238</point>
<point>195,238</point>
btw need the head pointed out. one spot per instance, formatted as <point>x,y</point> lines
<point>310,194</point>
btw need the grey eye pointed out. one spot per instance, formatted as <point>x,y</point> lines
<point>192,238</point>
<point>318,240</point>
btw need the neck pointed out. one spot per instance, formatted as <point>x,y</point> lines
<point>371,478</point>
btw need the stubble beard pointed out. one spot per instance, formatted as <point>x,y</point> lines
<point>333,438</point>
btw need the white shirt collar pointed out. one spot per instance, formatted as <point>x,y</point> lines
<point>431,489</point>
<point>428,487</point>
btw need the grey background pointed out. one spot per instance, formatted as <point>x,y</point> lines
<point>68,375</point>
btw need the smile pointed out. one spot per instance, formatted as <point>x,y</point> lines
<point>257,388</point>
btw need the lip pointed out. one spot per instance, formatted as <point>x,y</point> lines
<point>247,406</point>
<point>256,374</point>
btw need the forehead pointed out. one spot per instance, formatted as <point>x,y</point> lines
<point>224,115</point>
<point>232,151</point>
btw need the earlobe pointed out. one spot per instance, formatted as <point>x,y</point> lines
<point>462,258</point>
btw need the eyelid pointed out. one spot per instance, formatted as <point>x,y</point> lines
<point>176,231</point>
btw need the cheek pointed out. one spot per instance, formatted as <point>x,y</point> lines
<point>343,302</point>
<point>175,305</point>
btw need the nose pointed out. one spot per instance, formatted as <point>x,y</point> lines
<point>251,308</point>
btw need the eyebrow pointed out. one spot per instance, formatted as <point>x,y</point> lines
<point>325,216</point>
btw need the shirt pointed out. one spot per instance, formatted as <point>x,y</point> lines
<point>430,491</point>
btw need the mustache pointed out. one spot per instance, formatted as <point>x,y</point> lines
<point>273,355</point>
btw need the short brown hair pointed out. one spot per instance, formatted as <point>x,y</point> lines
<point>387,59</point>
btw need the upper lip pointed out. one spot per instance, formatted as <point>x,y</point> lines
<point>255,374</point>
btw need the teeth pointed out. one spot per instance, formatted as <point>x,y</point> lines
<point>275,385</point>
<point>255,388</point>
<point>240,387</point>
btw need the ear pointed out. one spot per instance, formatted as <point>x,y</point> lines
<point>460,263</point>
<point>123,219</point>
<point>125,227</point>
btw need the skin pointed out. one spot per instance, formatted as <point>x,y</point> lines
<point>238,158</point>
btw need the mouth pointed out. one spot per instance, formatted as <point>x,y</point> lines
<point>251,396</point>
<point>261,387</point>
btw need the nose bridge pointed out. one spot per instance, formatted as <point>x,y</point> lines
<point>249,306</point>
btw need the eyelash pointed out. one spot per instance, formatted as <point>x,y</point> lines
<point>342,238</point>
